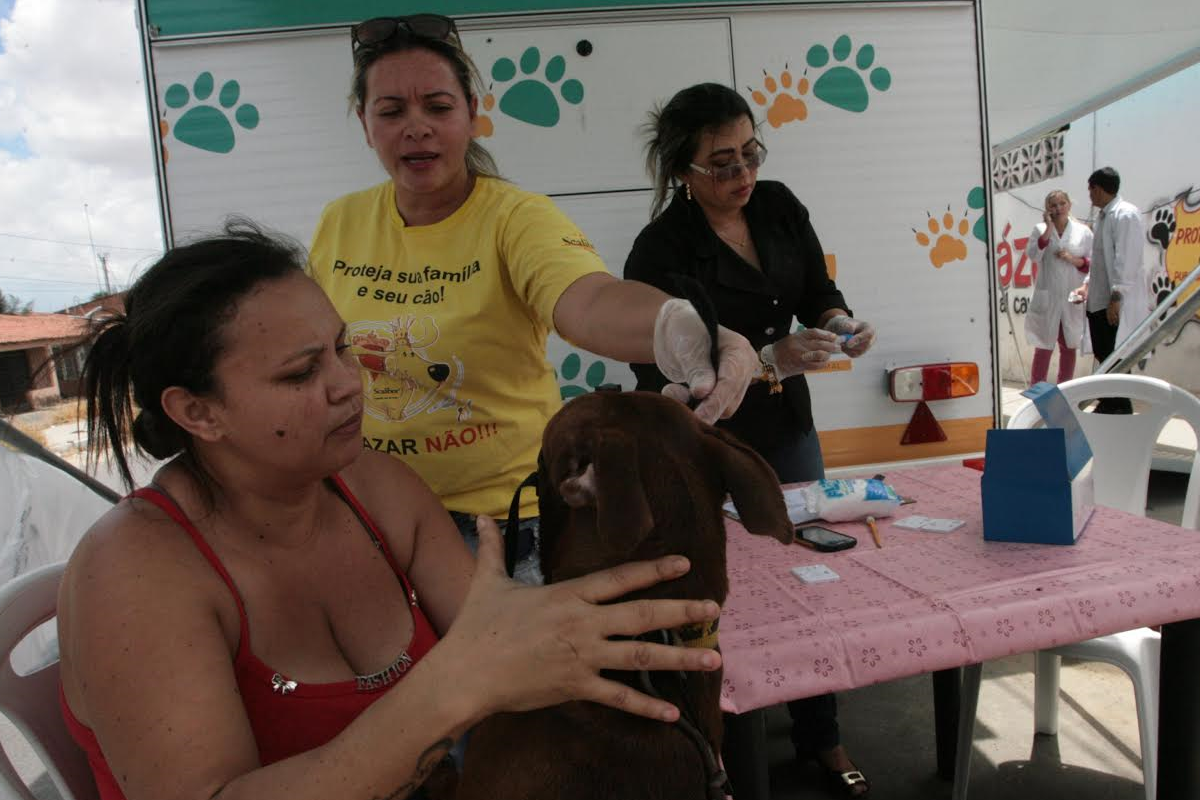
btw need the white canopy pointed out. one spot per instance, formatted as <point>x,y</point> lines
<point>1053,61</point>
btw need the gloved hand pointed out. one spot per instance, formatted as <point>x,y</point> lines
<point>862,335</point>
<point>682,354</point>
<point>799,351</point>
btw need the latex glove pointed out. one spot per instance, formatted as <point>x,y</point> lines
<point>546,645</point>
<point>682,354</point>
<point>862,334</point>
<point>805,349</point>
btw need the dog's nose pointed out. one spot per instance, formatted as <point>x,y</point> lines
<point>439,372</point>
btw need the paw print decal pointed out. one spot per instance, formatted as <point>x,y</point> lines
<point>1161,286</point>
<point>1163,227</point>
<point>205,126</point>
<point>976,200</point>
<point>785,106</point>
<point>947,245</point>
<point>533,99</point>
<point>569,371</point>
<point>842,86</point>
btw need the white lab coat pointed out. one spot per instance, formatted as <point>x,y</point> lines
<point>1056,279</point>
<point>1122,240</point>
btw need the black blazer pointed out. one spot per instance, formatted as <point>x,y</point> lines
<point>758,304</point>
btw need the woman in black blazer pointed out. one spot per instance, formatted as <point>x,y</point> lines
<point>750,245</point>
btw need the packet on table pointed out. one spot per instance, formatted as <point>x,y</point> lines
<point>857,498</point>
<point>815,573</point>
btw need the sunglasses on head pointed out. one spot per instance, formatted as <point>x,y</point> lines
<point>379,30</point>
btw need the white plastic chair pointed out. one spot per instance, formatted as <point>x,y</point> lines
<point>31,701</point>
<point>1122,448</point>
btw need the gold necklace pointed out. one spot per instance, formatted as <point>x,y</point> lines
<point>733,241</point>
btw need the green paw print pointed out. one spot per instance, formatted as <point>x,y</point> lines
<point>570,371</point>
<point>842,86</point>
<point>205,126</point>
<point>976,201</point>
<point>532,100</point>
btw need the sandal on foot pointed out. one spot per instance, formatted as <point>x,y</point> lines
<point>846,783</point>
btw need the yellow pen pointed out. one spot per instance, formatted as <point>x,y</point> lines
<point>874,531</point>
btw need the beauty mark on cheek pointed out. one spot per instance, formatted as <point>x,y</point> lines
<point>280,434</point>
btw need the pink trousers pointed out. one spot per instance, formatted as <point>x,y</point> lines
<point>1066,361</point>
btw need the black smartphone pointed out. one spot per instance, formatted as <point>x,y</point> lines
<point>823,539</point>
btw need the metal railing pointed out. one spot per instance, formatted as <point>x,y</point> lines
<point>1163,322</point>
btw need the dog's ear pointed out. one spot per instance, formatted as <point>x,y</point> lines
<point>752,484</point>
<point>612,484</point>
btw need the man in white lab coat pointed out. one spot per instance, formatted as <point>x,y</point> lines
<point>1117,295</point>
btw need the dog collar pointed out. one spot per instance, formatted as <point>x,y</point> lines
<point>699,634</point>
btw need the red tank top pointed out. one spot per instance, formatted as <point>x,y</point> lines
<point>287,717</point>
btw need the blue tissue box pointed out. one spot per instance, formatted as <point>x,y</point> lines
<point>1037,483</point>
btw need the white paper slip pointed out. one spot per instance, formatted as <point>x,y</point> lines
<point>942,525</point>
<point>928,524</point>
<point>815,573</point>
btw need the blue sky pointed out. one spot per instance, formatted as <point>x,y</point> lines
<point>14,144</point>
<point>6,7</point>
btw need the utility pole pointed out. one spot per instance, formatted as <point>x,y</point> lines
<point>104,268</point>
<point>101,258</point>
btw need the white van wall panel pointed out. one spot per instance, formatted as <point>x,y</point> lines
<point>306,149</point>
<point>868,178</point>
<point>596,147</point>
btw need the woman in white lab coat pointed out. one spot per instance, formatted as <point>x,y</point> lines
<point>1061,247</point>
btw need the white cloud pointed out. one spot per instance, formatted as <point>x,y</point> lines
<point>72,89</point>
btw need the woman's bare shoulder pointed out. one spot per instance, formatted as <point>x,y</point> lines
<point>381,477</point>
<point>134,544</point>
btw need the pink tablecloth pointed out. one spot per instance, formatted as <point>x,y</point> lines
<point>928,601</point>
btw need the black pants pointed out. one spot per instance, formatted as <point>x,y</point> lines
<point>814,724</point>
<point>1104,341</point>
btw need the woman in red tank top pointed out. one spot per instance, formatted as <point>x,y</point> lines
<point>281,614</point>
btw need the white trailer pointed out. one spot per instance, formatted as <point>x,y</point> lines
<point>873,114</point>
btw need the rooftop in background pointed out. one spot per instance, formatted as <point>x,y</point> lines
<point>18,331</point>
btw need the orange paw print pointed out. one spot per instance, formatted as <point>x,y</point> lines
<point>785,107</point>
<point>946,247</point>
<point>163,129</point>
<point>483,123</point>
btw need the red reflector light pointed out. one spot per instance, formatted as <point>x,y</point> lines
<point>934,381</point>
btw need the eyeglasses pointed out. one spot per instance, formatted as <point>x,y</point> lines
<point>376,31</point>
<point>730,171</point>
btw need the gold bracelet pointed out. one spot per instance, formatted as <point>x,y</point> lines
<point>771,377</point>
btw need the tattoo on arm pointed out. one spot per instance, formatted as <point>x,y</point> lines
<point>426,763</point>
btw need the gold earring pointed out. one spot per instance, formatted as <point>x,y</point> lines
<point>687,187</point>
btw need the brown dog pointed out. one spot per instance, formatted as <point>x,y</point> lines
<point>629,476</point>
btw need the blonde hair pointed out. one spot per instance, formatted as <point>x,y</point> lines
<point>1055,192</point>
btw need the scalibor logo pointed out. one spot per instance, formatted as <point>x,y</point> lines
<point>579,241</point>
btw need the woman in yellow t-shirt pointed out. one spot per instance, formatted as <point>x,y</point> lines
<point>450,280</point>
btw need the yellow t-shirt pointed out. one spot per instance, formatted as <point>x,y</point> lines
<point>449,323</point>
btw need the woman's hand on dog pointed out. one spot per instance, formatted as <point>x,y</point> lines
<point>526,647</point>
